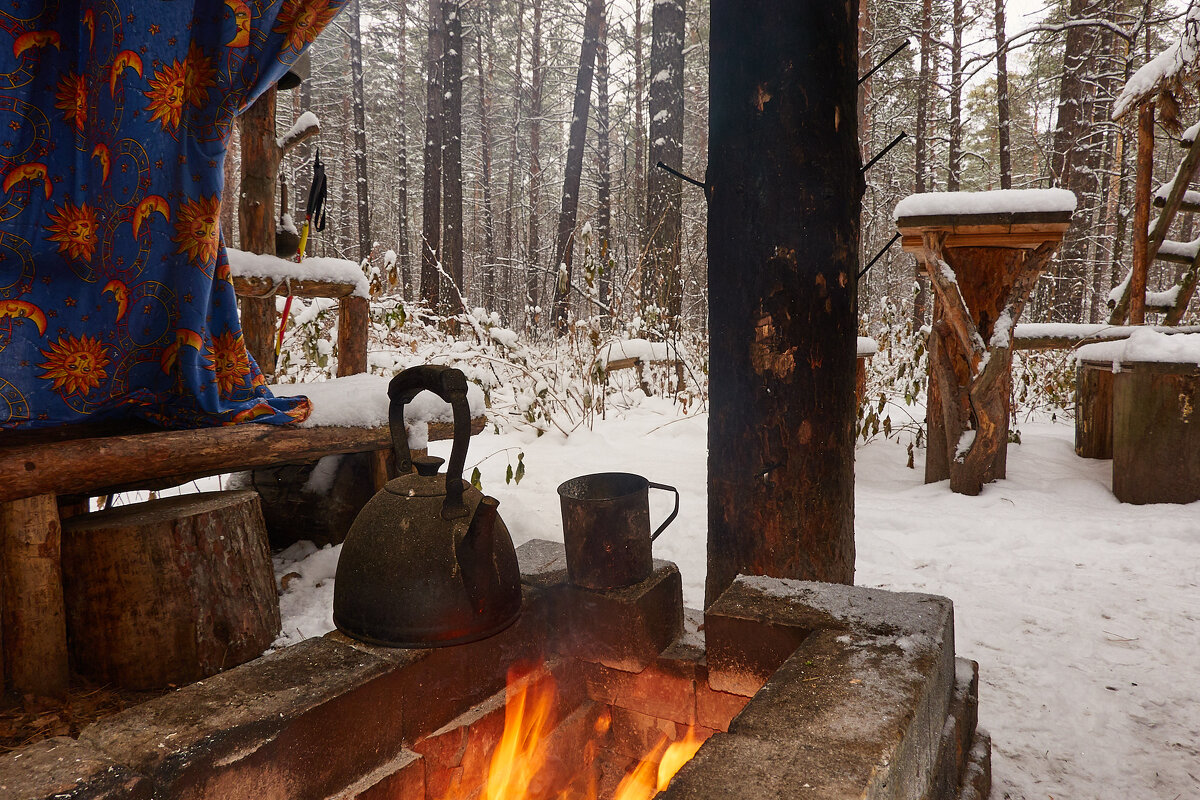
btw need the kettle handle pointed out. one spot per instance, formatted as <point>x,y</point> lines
<point>449,384</point>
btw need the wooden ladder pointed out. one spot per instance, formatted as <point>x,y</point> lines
<point>1172,197</point>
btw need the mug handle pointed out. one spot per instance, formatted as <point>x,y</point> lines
<point>674,511</point>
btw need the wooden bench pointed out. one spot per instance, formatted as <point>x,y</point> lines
<point>43,470</point>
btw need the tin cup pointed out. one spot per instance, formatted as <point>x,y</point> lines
<point>606,527</point>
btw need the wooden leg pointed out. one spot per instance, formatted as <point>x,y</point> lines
<point>34,621</point>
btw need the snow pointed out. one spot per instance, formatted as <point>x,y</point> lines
<point>1186,250</point>
<point>643,349</point>
<point>1177,60</point>
<point>1079,331</point>
<point>867,346</point>
<point>336,270</point>
<point>1081,611</point>
<point>1001,201</point>
<point>303,123</point>
<point>1190,134</point>
<point>361,401</point>
<point>1144,344</point>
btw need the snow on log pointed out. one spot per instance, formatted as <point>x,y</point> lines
<point>306,125</point>
<point>1144,345</point>
<point>315,270</point>
<point>641,349</point>
<point>1002,201</point>
<point>1171,66</point>
<point>867,347</point>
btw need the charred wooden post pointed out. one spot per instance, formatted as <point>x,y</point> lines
<point>169,591</point>
<point>34,622</point>
<point>982,267</point>
<point>785,193</point>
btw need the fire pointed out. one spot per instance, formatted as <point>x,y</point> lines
<point>522,751</point>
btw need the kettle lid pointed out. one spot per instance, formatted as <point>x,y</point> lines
<point>425,482</point>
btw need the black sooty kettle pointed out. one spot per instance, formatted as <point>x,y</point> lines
<point>428,562</point>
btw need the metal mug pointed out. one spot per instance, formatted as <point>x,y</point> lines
<point>606,527</point>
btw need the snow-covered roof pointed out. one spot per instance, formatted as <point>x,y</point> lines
<point>361,401</point>
<point>1171,65</point>
<point>1001,201</point>
<point>1145,345</point>
<point>334,270</point>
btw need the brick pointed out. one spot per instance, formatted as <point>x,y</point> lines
<point>263,730</point>
<point>543,563</point>
<point>716,709</point>
<point>758,622</point>
<point>402,778</point>
<point>571,747</point>
<point>958,731</point>
<point>625,628</point>
<point>977,777</point>
<point>878,700</point>
<point>61,767</point>
<point>659,690</point>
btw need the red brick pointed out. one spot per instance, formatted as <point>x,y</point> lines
<point>401,779</point>
<point>716,709</point>
<point>659,690</point>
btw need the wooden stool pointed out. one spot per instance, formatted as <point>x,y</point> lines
<point>170,591</point>
<point>1156,432</point>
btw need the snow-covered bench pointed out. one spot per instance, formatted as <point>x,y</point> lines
<point>635,354</point>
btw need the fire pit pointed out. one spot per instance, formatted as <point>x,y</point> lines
<point>794,688</point>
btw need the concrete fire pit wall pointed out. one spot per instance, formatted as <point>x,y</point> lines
<point>845,692</point>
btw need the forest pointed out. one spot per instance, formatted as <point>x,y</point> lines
<point>510,148</point>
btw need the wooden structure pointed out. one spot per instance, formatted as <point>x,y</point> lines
<point>1150,242</point>
<point>1094,409</point>
<point>42,469</point>
<point>170,591</point>
<point>982,268</point>
<point>1156,438</point>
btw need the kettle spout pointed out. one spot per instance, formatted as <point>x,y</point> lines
<point>475,555</point>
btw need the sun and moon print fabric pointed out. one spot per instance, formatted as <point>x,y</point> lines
<point>115,292</point>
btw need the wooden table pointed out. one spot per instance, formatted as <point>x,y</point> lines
<point>982,268</point>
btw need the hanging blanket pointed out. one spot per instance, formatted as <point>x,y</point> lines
<point>115,293</point>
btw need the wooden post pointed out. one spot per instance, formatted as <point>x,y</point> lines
<point>785,188</point>
<point>1094,410</point>
<point>1141,214</point>
<point>353,319</point>
<point>256,220</point>
<point>34,622</point>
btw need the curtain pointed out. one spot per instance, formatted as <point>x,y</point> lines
<point>115,293</point>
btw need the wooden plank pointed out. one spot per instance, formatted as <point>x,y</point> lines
<point>102,465</point>
<point>1025,240</point>
<point>258,286</point>
<point>967,222</point>
<point>353,320</point>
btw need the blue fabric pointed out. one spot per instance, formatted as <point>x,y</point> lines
<point>115,294</point>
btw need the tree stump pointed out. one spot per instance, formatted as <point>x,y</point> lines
<point>34,634</point>
<point>1156,432</point>
<point>170,591</point>
<point>1094,409</point>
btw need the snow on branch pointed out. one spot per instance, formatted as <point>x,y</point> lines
<point>305,127</point>
<point>1171,67</point>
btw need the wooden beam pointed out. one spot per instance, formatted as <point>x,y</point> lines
<point>353,321</point>
<point>258,286</point>
<point>1069,341</point>
<point>101,465</point>
<point>1136,288</point>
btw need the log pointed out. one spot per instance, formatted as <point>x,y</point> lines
<point>260,287</point>
<point>170,591</point>
<point>100,465</point>
<point>34,623</point>
<point>1094,410</point>
<point>1156,435</point>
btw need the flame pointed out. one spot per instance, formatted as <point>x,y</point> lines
<point>522,752</point>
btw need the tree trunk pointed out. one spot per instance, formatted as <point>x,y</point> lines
<point>485,134</point>
<point>365,242</point>
<point>564,248</point>
<point>1141,214</point>
<point>535,167</point>
<point>786,189</point>
<point>604,177</point>
<point>34,622</point>
<point>256,220</point>
<point>661,283</point>
<point>954,154</point>
<point>431,212</point>
<point>510,245</point>
<point>1003,117</point>
<point>452,201</point>
<point>639,135</point>
<point>402,222</point>
<point>170,591</point>
<point>921,145</point>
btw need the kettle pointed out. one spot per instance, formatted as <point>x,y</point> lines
<point>428,562</point>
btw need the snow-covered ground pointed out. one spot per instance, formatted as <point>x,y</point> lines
<point>1083,613</point>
